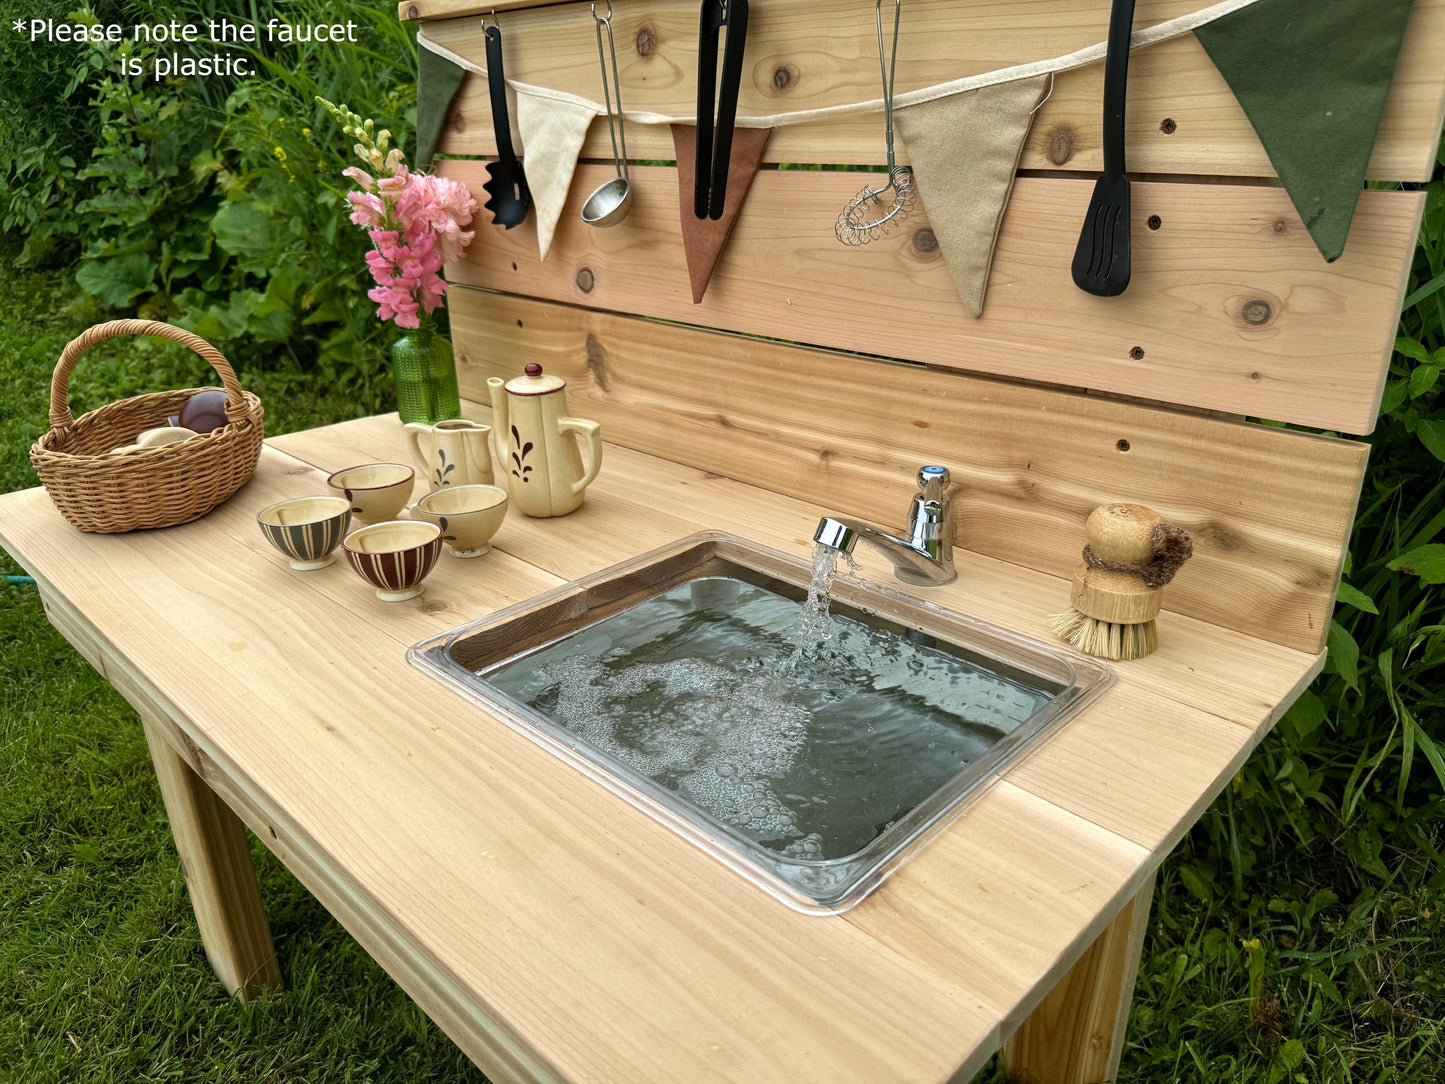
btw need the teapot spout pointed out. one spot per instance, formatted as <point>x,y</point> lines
<point>497,387</point>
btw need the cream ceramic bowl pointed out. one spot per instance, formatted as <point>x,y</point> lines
<point>394,557</point>
<point>467,515</point>
<point>377,491</point>
<point>306,529</point>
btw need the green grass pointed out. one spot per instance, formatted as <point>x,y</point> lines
<point>102,976</point>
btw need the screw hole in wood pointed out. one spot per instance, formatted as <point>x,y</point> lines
<point>1122,445</point>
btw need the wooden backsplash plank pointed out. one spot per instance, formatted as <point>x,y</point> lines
<point>815,53</point>
<point>1231,307</point>
<point>1270,509</point>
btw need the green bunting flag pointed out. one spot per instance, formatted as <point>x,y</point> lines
<point>437,82</point>
<point>1313,77</point>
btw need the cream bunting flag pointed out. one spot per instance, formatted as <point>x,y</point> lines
<point>552,132</point>
<point>965,150</point>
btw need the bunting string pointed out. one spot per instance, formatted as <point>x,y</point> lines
<point>1153,35</point>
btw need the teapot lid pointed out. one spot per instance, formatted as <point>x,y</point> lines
<point>534,383</point>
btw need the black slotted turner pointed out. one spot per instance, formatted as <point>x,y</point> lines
<point>506,187</point>
<point>1103,257</point>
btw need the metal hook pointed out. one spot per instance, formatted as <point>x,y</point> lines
<point>1046,97</point>
<point>605,18</point>
<point>496,23</point>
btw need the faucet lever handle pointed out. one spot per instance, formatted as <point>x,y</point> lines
<point>932,481</point>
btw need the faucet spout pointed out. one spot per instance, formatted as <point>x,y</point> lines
<point>925,557</point>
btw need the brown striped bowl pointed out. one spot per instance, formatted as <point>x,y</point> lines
<point>394,557</point>
<point>306,529</point>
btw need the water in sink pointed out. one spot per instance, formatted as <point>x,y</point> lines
<point>811,753</point>
<point>811,738</point>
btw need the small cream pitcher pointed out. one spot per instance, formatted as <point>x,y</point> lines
<point>451,453</point>
<point>536,445</point>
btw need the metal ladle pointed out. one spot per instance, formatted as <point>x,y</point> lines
<point>609,203</point>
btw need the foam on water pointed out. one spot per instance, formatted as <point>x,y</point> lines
<point>713,735</point>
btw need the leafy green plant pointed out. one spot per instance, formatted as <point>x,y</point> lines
<point>219,204</point>
<point>150,215</point>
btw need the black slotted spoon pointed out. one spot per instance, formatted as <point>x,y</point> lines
<point>506,187</point>
<point>1102,259</point>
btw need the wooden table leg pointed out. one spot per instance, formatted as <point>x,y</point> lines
<point>1076,1036</point>
<point>219,875</point>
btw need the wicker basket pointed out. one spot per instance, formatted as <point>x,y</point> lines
<point>150,487</point>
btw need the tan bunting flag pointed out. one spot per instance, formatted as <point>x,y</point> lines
<point>965,149</point>
<point>552,132</point>
<point>703,239</point>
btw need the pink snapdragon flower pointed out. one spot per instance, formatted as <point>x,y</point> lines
<point>416,224</point>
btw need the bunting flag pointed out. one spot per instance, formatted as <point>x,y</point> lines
<point>703,239</point>
<point>437,81</point>
<point>1313,78</point>
<point>552,132</point>
<point>965,150</point>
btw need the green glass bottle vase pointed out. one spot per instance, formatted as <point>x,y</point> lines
<point>426,377</point>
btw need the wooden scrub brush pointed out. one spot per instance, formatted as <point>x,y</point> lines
<point>1119,587</point>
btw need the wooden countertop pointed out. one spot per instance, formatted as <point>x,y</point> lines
<point>554,931</point>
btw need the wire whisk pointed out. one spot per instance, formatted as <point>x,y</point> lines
<point>870,215</point>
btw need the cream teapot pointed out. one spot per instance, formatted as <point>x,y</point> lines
<point>536,444</point>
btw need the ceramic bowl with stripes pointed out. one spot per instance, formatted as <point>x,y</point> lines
<point>306,529</point>
<point>394,557</point>
<point>377,491</point>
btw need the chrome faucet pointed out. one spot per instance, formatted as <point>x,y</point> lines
<point>925,557</point>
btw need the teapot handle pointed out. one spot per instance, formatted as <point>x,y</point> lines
<point>414,430</point>
<point>593,433</point>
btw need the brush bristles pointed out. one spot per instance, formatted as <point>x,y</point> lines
<point>1105,639</point>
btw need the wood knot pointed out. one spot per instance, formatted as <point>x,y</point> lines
<point>646,40</point>
<point>1061,145</point>
<point>586,280</point>
<point>298,470</point>
<point>1281,226</point>
<point>412,12</point>
<point>1137,353</point>
<point>456,121</point>
<point>597,363</point>
<point>925,240</point>
<point>784,77</point>
<point>1167,126</point>
<point>1256,312</point>
<point>433,607</point>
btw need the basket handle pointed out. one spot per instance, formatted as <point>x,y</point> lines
<point>60,417</point>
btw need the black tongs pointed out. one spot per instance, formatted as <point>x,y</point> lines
<point>711,175</point>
